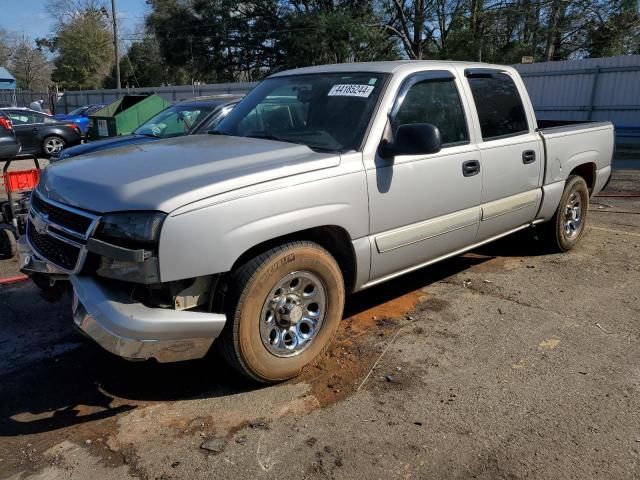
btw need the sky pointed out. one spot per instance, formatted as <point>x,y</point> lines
<point>30,17</point>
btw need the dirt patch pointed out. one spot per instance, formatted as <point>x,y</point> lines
<point>359,342</point>
<point>496,264</point>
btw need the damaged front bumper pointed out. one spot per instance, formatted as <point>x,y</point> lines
<point>30,263</point>
<point>134,331</point>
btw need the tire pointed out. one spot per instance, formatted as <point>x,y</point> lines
<point>563,232</point>
<point>52,144</point>
<point>8,245</point>
<point>257,339</point>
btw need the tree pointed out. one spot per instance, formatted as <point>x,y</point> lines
<point>617,34</point>
<point>216,40</point>
<point>143,66</point>
<point>226,40</point>
<point>333,32</point>
<point>505,30</point>
<point>30,67</point>
<point>85,52</point>
<point>6,48</point>
<point>68,11</point>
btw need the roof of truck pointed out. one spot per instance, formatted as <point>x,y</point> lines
<point>386,67</point>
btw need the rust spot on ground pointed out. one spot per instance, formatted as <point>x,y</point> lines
<point>495,264</point>
<point>357,345</point>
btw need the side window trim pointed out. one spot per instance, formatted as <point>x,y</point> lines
<point>490,73</point>
<point>430,75</point>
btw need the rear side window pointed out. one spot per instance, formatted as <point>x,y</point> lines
<point>436,102</point>
<point>499,105</point>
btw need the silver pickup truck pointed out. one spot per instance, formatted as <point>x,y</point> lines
<point>323,181</point>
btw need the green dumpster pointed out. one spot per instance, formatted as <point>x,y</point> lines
<point>124,115</point>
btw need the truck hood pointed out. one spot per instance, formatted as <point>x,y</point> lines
<point>168,174</point>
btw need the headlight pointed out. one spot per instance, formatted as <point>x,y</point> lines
<point>131,229</point>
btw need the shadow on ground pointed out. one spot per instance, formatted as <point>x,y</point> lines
<point>88,384</point>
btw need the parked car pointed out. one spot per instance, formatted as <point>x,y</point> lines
<point>188,117</point>
<point>322,181</point>
<point>41,134</point>
<point>80,116</point>
<point>9,144</point>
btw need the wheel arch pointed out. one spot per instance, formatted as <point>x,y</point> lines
<point>335,239</point>
<point>588,172</point>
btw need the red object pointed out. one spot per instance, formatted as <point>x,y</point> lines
<point>74,126</point>
<point>22,180</point>
<point>17,278</point>
<point>6,123</point>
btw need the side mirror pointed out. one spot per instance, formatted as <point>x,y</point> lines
<point>412,139</point>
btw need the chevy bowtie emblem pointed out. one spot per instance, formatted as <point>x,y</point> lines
<point>39,222</point>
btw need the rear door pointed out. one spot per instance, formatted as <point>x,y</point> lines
<point>510,149</point>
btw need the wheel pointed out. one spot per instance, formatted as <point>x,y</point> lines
<point>284,309</point>
<point>51,145</point>
<point>567,226</point>
<point>8,245</point>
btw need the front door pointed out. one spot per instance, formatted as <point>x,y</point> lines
<point>425,206</point>
<point>26,130</point>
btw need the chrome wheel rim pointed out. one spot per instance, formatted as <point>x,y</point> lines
<point>53,145</point>
<point>293,314</point>
<point>573,215</point>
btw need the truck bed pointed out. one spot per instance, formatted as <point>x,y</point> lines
<point>569,144</point>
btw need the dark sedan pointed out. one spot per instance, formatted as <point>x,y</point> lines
<point>189,117</point>
<point>9,144</point>
<point>41,134</point>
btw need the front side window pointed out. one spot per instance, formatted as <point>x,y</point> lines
<point>499,105</point>
<point>436,102</point>
<point>326,112</point>
<point>20,118</point>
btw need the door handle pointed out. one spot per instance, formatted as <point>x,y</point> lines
<point>470,168</point>
<point>528,156</point>
<point>34,130</point>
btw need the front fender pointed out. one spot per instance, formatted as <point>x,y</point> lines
<point>209,239</point>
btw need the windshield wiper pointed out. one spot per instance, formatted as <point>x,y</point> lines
<point>146,134</point>
<point>218,132</point>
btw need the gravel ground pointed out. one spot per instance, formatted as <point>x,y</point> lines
<point>504,363</point>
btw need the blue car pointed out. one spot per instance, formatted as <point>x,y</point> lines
<point>80,116</point>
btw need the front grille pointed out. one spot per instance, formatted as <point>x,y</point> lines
<point>56,251</point>
<point>65,218</point>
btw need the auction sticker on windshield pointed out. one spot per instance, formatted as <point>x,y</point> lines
<point>352,90</point>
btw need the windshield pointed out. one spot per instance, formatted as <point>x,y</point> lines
<point>78,111</point>
<point>175,121</point>
<point>328,111</point>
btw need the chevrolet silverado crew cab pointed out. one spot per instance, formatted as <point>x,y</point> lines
<point>321,182</point>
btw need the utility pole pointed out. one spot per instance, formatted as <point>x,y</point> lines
<point>115,42</point>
